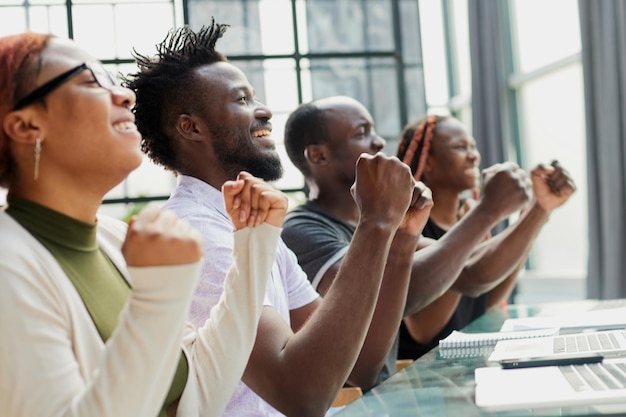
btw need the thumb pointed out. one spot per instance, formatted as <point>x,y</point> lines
<point>543,169</point>
<point>230,191</point>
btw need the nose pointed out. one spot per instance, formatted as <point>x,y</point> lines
<point>378,143</point>
<point>262,111</point>
<point>123,96</point>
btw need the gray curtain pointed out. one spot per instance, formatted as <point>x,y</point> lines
<point>489,75</point>
<point>603,32</point>
<point>488,79</point>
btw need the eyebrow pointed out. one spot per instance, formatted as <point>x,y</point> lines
<point>243,88</point>
<point>364,123</point>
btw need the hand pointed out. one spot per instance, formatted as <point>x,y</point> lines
<point>469,203</point>
<point>383,188</point>
<point>506,189</point>
<point>158,238</point>
<point>250,202</point>
<point>419,210</point>
<point>552,185</point>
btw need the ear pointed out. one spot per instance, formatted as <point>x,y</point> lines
<point>19,127</point>
<point>188,128</point>
<point>316,154</point>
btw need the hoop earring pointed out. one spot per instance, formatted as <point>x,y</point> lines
<point>37,157</point>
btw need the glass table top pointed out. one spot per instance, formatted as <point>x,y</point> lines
<point>434,386</point>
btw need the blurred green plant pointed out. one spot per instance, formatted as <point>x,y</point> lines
<point>134,209</point>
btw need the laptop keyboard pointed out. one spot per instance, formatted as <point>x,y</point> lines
<point>596,377</point>
<point>585,342</point>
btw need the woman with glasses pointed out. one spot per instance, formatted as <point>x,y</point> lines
<point>92,311</point>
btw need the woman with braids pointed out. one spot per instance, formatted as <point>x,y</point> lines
<point>443,155</point>
<point>93,313</point>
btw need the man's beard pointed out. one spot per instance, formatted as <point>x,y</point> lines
<point>236,154</point>
<point>266,167</point>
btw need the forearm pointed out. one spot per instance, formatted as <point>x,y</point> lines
<point>316,362</point>
<point>137,362</point>
<point>503,290</point>
<point>222,346</point>
<point>436,267</point>
<point>424,325</point>
<point>389,311</point>
<point>498,257</point>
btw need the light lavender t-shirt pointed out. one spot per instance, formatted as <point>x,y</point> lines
<point>203,207</point>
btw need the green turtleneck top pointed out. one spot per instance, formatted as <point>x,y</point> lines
<point>101,286</point>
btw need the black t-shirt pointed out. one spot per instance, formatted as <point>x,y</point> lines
<point>468,310</point>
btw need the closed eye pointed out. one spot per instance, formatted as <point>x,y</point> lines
<point>362,131</point>
<point>88,79</point>
<point>465,147</point>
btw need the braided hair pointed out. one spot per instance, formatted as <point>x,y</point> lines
<point>415,142</point>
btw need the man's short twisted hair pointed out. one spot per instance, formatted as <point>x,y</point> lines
<point>164,86</point>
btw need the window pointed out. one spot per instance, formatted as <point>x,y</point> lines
<point>548,83</point>
<point>401,58</point>
<point>546,93</point>
<point>291,51</point>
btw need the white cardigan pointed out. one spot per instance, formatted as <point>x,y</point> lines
<point>54,363</point>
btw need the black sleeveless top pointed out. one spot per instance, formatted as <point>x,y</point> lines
<point>467,311</point>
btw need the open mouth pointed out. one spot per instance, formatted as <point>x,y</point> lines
<point>473,171</point>
<point>125,126</point>
<point>262,133</point>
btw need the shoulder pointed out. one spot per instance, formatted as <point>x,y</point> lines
<point>21,255</point>
<point>303,211</point>
<point>191,195</point>
<point>15,241</point>
<point>310,214</point>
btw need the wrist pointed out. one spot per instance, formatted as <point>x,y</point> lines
<point>536,209</point>
<point>378,224</point>
<point>404,243</point>
<point>486,214</point>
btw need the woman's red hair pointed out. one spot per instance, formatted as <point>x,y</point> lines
<point>18,53</point>
<point>415,144</point>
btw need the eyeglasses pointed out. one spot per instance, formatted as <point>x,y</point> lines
<point>103,77</point>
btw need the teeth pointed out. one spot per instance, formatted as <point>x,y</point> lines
<point>125,126</point>
<point>262,133</point>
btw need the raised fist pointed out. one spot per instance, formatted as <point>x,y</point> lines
<point>419,210</point>
<point>251,201</point>
<point>158,238</point>
<point>383,188</point>
<point>506,189</point>
<point>552,185</point>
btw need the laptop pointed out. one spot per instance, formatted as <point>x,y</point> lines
<point>609,343</point>
<point>571,320</point>
<point>499,389</point>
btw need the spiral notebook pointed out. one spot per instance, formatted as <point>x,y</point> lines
<point>464,345</point>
